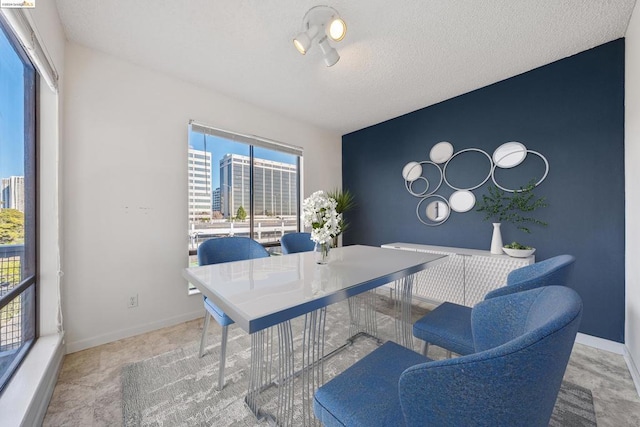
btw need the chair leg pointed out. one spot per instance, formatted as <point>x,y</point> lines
<point>425,348</point>
<point>207,318</point>
<point>223,355</point>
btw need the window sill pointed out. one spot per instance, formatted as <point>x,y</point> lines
<point>26,397</point>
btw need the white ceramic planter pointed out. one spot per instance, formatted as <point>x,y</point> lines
<point>519,253</point>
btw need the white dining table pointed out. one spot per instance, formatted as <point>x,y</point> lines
<point>263,295</point>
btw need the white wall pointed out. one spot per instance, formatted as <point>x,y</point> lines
<point>125,190</point>
<point>632,177</point>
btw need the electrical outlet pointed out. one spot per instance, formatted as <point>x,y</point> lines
<point>133,301</point>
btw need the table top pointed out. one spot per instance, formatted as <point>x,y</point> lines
<point>263,292</point>
<point>447,249</point>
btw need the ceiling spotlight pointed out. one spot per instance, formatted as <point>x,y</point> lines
<point>330,55</point>
<point>337,29</point>
<point>302,42</point>
<point>319,20</point>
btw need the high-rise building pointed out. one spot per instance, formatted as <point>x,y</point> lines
<point>275,186</point>
<point>12,193</point>
<point>215,197</point>
<point>199,164</point>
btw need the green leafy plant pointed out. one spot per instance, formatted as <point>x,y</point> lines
<point>344,202</point>
<point>11,227</point>
<point>516,245</point>
<point>515,209</point>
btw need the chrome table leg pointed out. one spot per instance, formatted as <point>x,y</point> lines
<point>312,362</point>
<point>402,305</point>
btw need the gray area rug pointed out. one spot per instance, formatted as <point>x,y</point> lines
<point>179,389</point>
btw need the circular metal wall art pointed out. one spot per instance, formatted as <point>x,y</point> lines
<point>409,187</point>
<point>411,168</point>
<point>462,201</point>
<point>444,172</point>
<point>509,155</point>
<point>546,172</point>
<point>411,171</point>
<point>436,211</point>
<point>441,152</point>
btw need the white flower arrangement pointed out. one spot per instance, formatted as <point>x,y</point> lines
<point>319,212</point>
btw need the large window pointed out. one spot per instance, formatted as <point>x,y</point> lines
<point>241,185</point>
<point>17,205</point>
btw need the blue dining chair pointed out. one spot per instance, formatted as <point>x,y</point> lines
<point>292,243</point>
<point>214,251</point>
<point>449,325</point>
<point>524,341</point>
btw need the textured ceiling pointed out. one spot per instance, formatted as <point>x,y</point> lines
<point>397,57</point>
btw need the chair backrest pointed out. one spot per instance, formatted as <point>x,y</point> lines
<point>553,271</point>
<point>227,249</point>
<point>524,342</point>
<point>296,242</point>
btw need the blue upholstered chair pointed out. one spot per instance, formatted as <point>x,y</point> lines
<point>214,251</point>
<point>449,325</point>
<point>292,243</point>
<point>524,341</point>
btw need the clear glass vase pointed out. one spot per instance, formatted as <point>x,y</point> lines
<point>322,252</point>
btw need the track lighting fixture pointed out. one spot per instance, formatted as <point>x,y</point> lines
<point>322,23</point>
<point>329,54</point>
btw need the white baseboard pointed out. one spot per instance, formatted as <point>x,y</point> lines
<point>633,369</point>
<point>74,346</point>
<point>25,400</point>
<point>600,343</point>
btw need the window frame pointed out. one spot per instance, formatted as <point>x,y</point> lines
<point>253,141</point>
<point>30,257</point>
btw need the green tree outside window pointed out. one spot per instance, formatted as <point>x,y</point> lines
<point>241,214</point>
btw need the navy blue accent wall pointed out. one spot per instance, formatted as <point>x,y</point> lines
<point>572,111</point>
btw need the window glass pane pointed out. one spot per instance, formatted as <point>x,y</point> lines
<point>17,331</point>
<point>216,197</point>
<point>17,206</point>
<point>257,200</point>
<point>275,194</point>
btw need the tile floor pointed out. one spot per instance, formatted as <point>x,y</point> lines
<point>88,390</point>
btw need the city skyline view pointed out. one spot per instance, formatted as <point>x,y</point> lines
<point>221,191</point>
<point>220,185</point>
<point>219,147</point>
<point>11,112</point>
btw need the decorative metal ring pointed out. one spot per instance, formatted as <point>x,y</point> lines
<point>435,196</point>
<point>409,186</point>
<point>491,168</point>
<point>426,192</point>
<point>546,172</point>
<point>456,196</point>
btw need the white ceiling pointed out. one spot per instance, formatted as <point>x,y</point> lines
<point>397,57</point>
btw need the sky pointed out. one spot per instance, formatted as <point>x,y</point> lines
<point>11,111</point>
<point>218,147</point>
